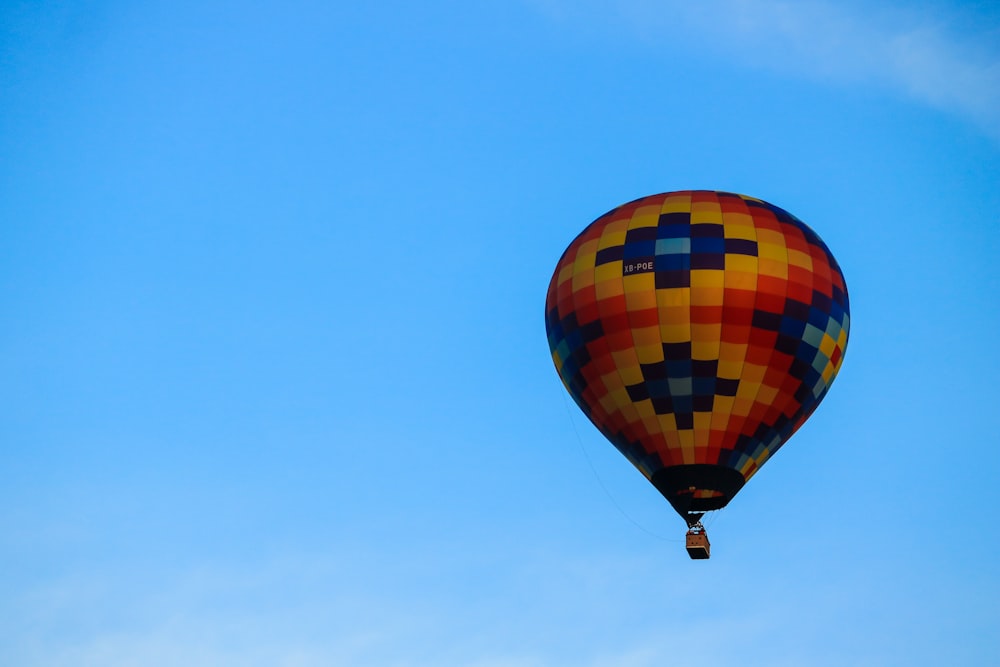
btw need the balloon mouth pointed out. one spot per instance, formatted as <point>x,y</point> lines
<point>703,493</point>
<point>694,489</point>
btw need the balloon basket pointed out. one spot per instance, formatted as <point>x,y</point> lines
<point>698,546</point>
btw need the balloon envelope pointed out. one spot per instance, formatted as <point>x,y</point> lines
<point>697,330</point>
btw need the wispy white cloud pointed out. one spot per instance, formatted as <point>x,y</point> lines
<point>948,61</point>
<point>317,611</point>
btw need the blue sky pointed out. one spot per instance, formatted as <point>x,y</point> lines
<point>273,368</point>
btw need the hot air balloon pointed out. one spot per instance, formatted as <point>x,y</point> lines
<point>697,330</point>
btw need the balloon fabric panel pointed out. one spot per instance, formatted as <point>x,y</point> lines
<point>697,329</point>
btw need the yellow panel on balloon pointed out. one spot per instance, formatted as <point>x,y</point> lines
<point>676,203</point>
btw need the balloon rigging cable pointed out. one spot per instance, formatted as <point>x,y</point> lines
<point>600,481</point>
